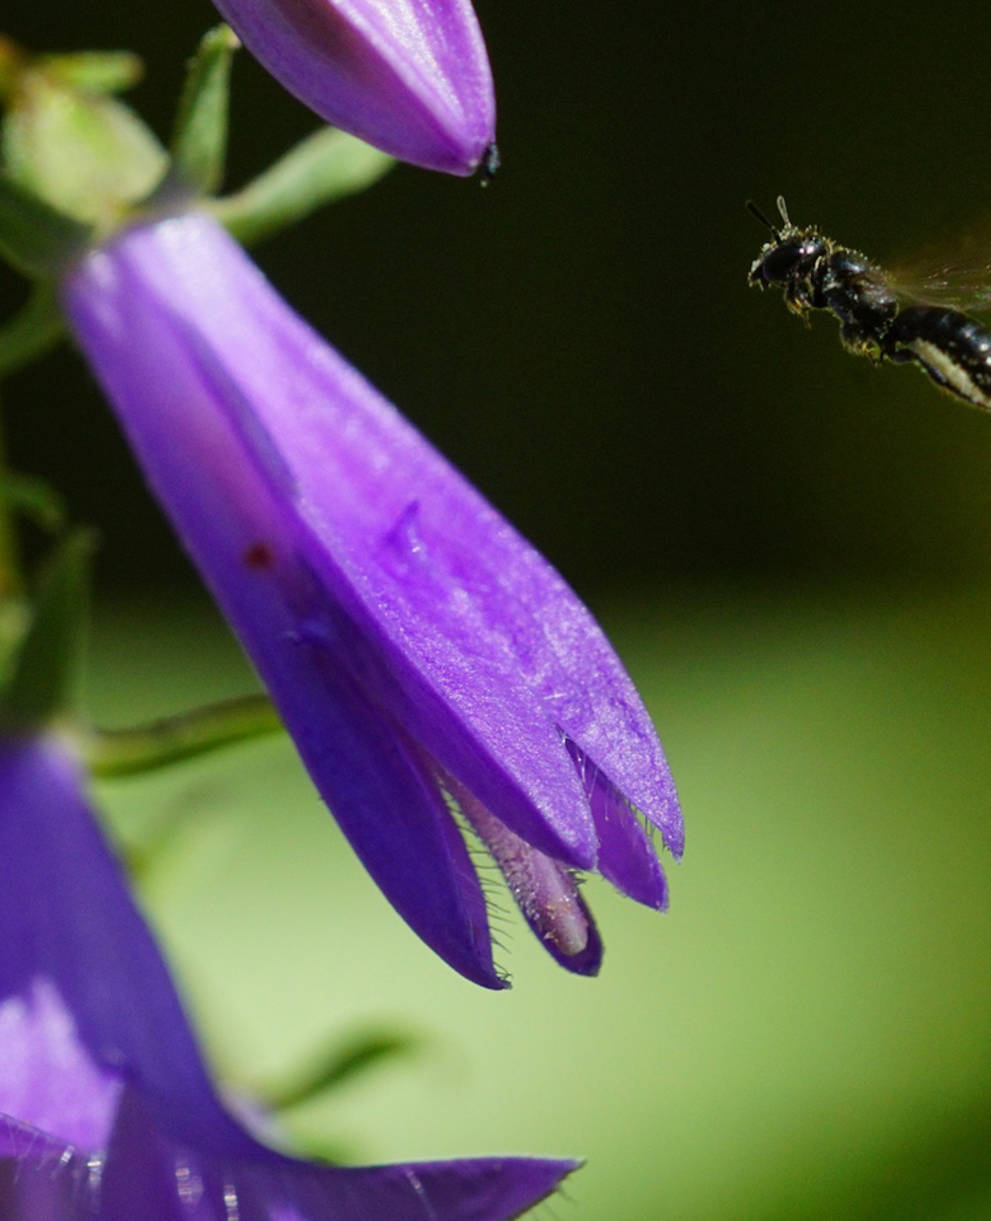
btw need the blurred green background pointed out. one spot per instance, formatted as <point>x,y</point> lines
<point>790,548</point>
<point>806,1034</point>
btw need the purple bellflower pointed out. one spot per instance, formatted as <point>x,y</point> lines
<point>421,653</point>
<point>409,76</point>
<point>106,1109</point>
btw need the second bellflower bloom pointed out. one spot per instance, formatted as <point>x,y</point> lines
<point>420,652</point>
<point>106,1109</point>
<point>409,76</point>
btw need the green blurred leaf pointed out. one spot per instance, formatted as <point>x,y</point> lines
<point>33,330</point>
<point>86,154</point>
<point>34,498</point>
<point>35,237</point>
<point>337,1065</point>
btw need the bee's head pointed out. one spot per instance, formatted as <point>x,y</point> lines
<point>790,255</point>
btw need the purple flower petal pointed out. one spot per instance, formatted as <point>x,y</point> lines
<point>409,76</point>
<point>386,604</point>
<point>389,806</point>
<point>626,857</point>
<point>106,1110</point>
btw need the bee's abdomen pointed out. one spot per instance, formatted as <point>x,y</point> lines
<point>953,349</point>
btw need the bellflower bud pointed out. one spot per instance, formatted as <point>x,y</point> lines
<point>421,653</point>
<point>411,78</point>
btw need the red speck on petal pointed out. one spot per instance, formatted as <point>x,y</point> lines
<point>258,556</point>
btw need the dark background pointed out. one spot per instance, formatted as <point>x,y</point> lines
<point>580,337</point>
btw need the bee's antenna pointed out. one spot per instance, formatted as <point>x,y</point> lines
<point>783,209</point>
<point>755,211</point>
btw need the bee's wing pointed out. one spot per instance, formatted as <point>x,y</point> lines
<point>962,286</point>
<point>955,274</point>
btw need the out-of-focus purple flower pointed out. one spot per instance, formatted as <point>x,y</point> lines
<point>409,76</point>
<point>106,1110</point>
<point>419,650</point>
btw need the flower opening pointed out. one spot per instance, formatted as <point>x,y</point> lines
<point>107,1110</point>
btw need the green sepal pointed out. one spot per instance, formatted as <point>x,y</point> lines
<point>94,71</point>
<point>324,167</point>
<point>33,330</point>
<point>199,141</point>
<point>87,155</point>
<point>35,237</point>
<point>43,677</point>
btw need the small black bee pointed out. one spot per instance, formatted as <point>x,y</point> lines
<point>814,272</point>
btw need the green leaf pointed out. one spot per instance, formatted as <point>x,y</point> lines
<point>34,498</point>
<point>326,166</point>
<point>337,1064</point>
<point>35,237</point>
<point>32,331</point>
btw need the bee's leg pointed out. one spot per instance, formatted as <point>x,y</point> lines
<point>797,302</point>
<point>860,341</point>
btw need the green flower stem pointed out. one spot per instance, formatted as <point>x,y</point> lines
<point>32,331</point>
<point>11,580</point>
<point>124,752</point>
<point>324,167</point>
<point>44,677</point>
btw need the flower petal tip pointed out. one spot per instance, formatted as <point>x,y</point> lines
<point>493,979</point>
<point>413,80</point>
<point>673,835</point>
